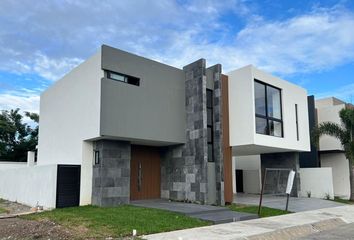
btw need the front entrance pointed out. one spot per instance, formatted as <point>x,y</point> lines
<point>145,176</point>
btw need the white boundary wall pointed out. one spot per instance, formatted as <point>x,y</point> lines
<point>11,165</point>
<point>318,181</point>
<point>340,171</point>
<point>30,185</point>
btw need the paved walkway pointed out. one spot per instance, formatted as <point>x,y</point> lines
<point>288,226</point>
<point>295,204</point>
<point>214,214</point>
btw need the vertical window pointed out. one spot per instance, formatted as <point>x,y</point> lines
<point>210,124</point>
<point>97,157</point>
<point>297,123</point>
<point>268,110</point>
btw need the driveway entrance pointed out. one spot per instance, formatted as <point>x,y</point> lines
<point>295,204</point>
<point>214,214</point>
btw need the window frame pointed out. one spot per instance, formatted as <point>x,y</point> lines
<point>125,76</point>
<point>266,116</point>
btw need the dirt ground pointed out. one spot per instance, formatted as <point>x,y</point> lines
<point>17,228</point>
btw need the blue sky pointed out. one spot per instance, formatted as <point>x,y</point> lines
<point>310,43</point>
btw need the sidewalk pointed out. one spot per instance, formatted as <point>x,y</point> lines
<point>279,227</point>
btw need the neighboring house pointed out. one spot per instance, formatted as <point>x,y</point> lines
<point>331,153</point>
<point>120,127</point>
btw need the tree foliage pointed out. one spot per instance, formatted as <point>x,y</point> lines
<point>16,136</point>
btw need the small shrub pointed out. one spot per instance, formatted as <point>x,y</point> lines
<point>327,196</point>
<point>308,194</point>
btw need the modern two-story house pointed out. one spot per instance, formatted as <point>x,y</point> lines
<point>120,127</point>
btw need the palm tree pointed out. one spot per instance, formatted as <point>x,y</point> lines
<point>344,133</point>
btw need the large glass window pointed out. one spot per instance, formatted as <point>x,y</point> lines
<point>268,109</point>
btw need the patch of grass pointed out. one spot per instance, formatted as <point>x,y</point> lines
<point>265,212</point>
<point>2,210</point>
<point>340,200</point>
<point>119,221</point>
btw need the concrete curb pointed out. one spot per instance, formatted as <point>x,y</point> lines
<point>299,231</point>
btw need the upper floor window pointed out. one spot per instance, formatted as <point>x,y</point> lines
<point>123,78</point>
<point>268,109</point>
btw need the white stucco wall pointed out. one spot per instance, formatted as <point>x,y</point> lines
<point>252,181</point>
<point>243,135</point>
<point>251,166</point>
<point>329,113</point>
<point>11,165</point>
<point>316,180</point>
<point>70,113</point>
<point>30,185</point>
<point>340,171</point>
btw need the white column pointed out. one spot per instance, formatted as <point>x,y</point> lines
<point>30,158</point>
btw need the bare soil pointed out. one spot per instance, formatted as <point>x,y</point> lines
<point>17,228</point>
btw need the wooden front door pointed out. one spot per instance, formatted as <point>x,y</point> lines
<point>145,174</point>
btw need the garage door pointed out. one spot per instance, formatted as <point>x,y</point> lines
<point>68,186</point>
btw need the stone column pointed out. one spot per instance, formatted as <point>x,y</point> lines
<point>111,176</point>
<point>217,133</point>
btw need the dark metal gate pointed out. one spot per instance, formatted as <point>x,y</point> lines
<point>68,186</point>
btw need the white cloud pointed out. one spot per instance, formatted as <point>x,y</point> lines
<point>317,41</point>
<point>345,93</point>
<point>53,69</point>
<point>23,99</point>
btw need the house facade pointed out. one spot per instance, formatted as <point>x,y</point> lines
<point>120,128</point>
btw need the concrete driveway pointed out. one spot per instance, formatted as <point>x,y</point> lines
<point>214,214</point>
<point>295,204</point>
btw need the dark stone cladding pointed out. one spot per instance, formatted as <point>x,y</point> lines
<point>111,177</point>
<point>184,168</point>
<point>288,160</point>
<point>217,133</point>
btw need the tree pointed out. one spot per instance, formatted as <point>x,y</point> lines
<point>16,137</point>
<point>344,133</point>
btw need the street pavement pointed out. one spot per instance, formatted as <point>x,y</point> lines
<point>343,232</point>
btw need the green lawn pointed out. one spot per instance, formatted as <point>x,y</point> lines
<point>2,210</point>
<point>337,199</point>
<point>265,212</point>
<point>117,221</point>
